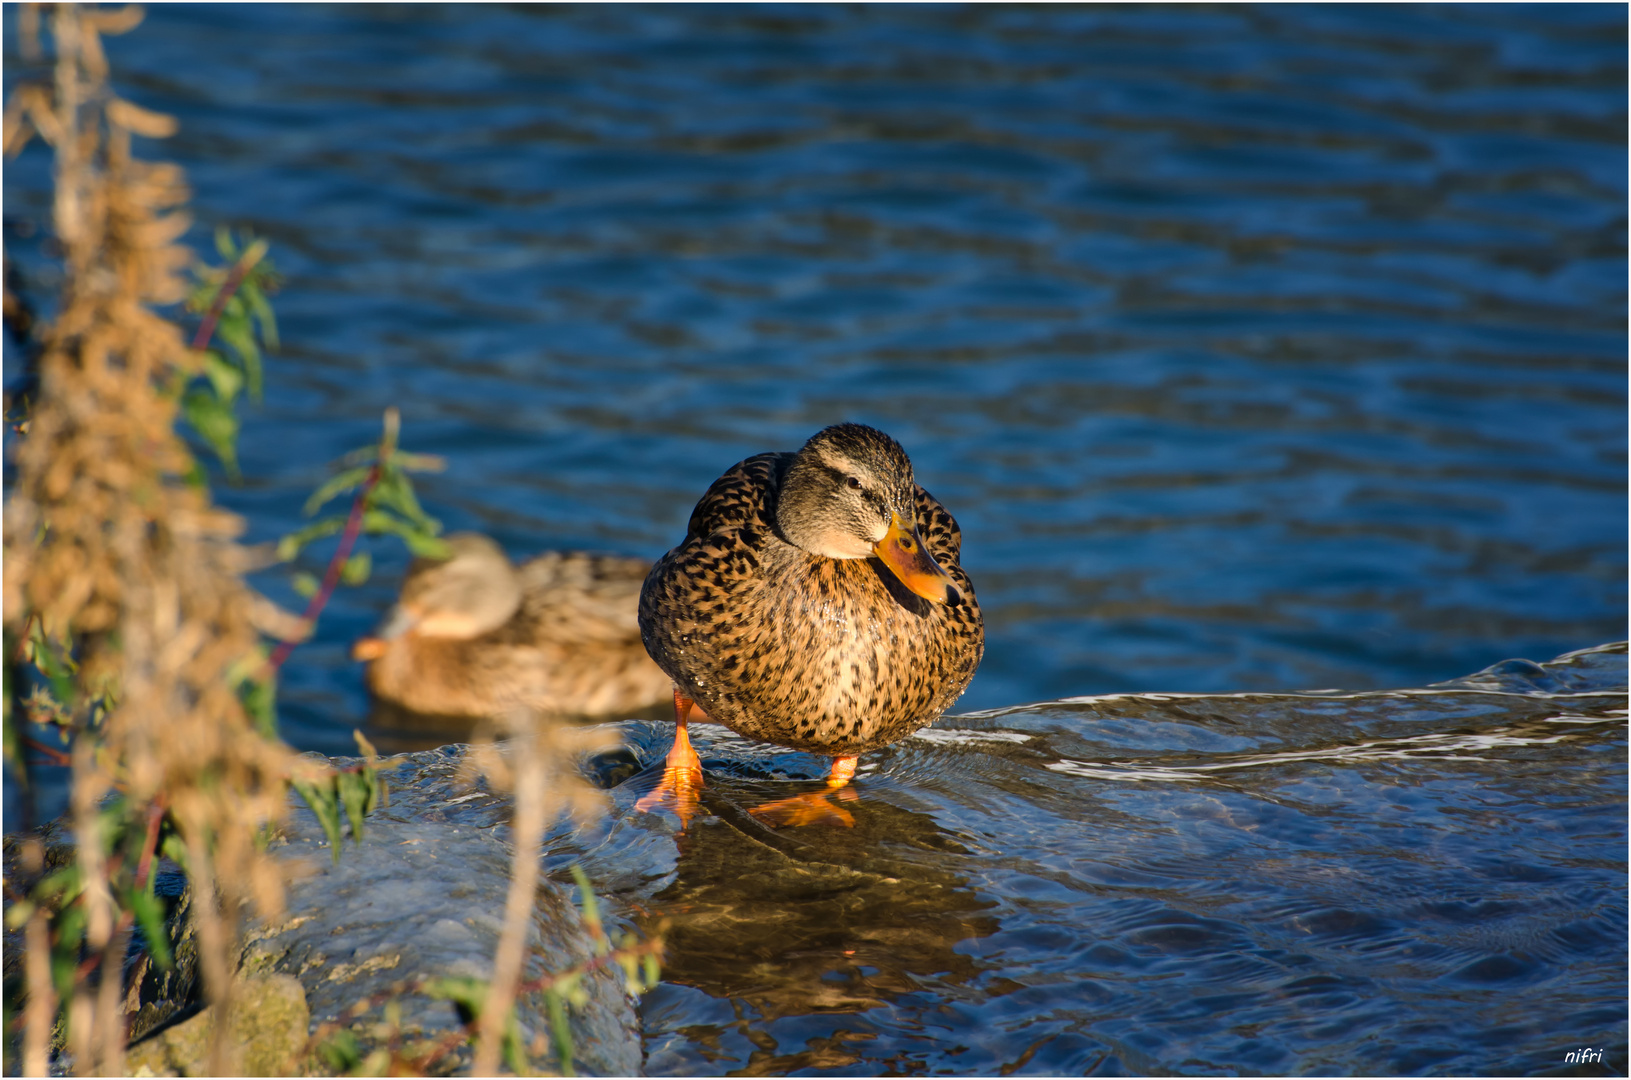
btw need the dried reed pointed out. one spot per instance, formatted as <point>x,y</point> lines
<point>114,556</point>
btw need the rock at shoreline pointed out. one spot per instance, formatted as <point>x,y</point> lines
<point>269,1025</point>
<point>423,895</point>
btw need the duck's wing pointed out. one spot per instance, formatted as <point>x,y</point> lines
<point>944,540</point>
<point>938,528</point>
<point>742,501</point>
<point>579,597</point>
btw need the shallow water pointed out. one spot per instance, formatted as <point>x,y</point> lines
<point>1427,881</point>
<point>1255,349</point>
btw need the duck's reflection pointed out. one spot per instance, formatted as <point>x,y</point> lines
<point>817,919</point>
<point>397,730</point>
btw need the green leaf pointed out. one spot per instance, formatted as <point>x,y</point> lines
<point>467,993</point>
<point>354,792</point>
<point>149,911</point>
<point>70,928</point>
<point>401,459</point>
<point>63,968</point>
<point>57,667</point>
<point>256,298</point>
<point>591,910</point>
<point>356,569</point>
<point>172,848</point>
<point>59,887</point>
<point>321,801</point>
<point>334,485</point>
<point>260,702</point>
<point>224,244</point>
<point>255,252</point>
<point>289,546</point>
<point>304,583</point>
<point>514,1056</point>
<point>216,425</point>
<point>236,332</point>
<point>395,491</point>
<point>198,301</point>
<point>341,1051</point>
<point>378,522</point>
<point>562,1031</point>
<point>648,967</point>
<point>224,377</point>
<point>18,914</point>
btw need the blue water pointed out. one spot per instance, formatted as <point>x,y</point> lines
<point>1254,348</point>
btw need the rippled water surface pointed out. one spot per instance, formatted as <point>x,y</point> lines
<point>1256,349</point>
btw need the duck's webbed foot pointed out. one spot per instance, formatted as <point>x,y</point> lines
<point>813,807</point>
<point>679,790</point>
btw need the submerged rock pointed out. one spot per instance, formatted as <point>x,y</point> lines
<point>422,895</point>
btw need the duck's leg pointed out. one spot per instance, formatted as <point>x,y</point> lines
<point>813,807</point>
<point>682,771</point>
<point>843,770</point>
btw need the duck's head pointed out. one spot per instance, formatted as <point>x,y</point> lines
<point>849,495</point>
<point>474,590</point>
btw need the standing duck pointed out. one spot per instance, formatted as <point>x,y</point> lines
<point>473,634</point>
<point>815,603</point>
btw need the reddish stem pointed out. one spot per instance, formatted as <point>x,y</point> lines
<point>353,526</point>
<point>57,757</point>
<point>446,1045</point>
<point>594,963</point>
<point>155,815</point>
<point>94,961</point>
<point>235,278</point>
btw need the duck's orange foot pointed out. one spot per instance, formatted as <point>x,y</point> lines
<point>679,792</point>
<point>811,808</point>
<point>680,788</point>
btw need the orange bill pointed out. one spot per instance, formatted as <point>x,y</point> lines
<point>398,621</point>
<point>368,648</point>
<point>902,550</point>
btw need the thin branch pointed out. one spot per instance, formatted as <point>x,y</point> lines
<point>240,270</point>
<point>57,757</point>
<point>353,526</point>
<point>155,815</point>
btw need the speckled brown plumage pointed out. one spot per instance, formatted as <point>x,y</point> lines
<point>829,655</point>
<point>572,645</point>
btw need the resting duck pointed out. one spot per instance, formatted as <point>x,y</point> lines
<point>473,634</point>
<point>815,603</point>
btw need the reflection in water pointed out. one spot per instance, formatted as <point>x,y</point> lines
<point>396,730</point>
<point>822,918</point>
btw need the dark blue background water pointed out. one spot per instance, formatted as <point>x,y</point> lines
<point>1253,348</point>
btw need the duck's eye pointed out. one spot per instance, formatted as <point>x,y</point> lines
<point>853,482</point>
